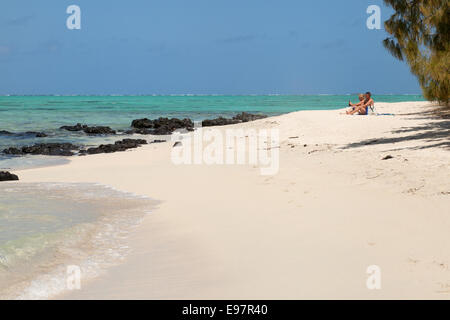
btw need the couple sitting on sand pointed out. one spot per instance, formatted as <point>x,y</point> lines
<point>362,107</point>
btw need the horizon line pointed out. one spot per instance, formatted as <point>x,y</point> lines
<point>200,94</point>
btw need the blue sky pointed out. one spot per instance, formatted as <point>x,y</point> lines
<point>197,46</point>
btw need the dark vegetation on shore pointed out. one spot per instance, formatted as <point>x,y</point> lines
<point>420,35</point>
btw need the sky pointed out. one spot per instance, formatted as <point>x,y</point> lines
<point>198,47</point>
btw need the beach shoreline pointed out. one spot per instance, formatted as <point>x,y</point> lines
<point>83,226</point>
<point>310,231</point>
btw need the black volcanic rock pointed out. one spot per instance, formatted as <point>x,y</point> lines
<point>165,126</point>
<point>41,135</point>
<point>77,127</point>
<point>28,133</point>
<point>7,176</point>
<point>36,134</point>
<point>246,117</point>
<point>161,126</point>
<point>48,149</point>
<point>89,130</point>
<point>239,118</point>
<point>139,131</point>
<point>99,130</point>
<point>142,123</point>
<point>218,122</point>
<point>13,151</point>
<point>121,145</point>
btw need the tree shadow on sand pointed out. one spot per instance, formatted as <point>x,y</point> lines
<point>434,134</point>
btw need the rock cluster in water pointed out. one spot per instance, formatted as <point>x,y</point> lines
<point>37,134</point>
<point>48,149</point>
<point>7,176</point>
<point>166,126</point>
<point>68,149</point>
<point>160,126</point>
<point>121,145</point>
<point>239,118</point>
<point>28,133</point>
<point>89,130</point>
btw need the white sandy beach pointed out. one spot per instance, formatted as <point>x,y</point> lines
<point>309,232</point>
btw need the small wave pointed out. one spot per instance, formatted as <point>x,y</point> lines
<point>80,224</point>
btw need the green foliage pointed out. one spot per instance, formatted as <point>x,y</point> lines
<point>420,34</point>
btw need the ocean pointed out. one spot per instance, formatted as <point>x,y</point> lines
<point>36,113</point>
<point>21,114</point>
<point>46,226</point>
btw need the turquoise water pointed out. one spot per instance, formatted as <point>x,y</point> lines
<point>48,113</point>
<point>18,113</point>
<point>46,226</point>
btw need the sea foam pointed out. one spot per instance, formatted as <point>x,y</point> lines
<point>45,227</point>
